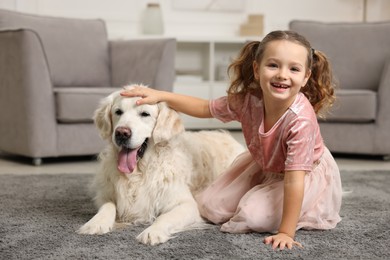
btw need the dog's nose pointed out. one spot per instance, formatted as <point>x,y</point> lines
<point>122,134</point>
<point>123,131</point>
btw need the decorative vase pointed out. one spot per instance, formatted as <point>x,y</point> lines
<point>152,20</point>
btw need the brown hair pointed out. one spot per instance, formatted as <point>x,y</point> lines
<point>319,89</point>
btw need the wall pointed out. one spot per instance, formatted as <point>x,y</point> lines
<point>124,17</point>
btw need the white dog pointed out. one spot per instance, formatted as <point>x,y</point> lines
<point>152,168</point>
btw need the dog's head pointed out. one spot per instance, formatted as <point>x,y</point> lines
<point>129,127</point>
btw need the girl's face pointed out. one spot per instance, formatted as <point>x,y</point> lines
<point>282,71</point>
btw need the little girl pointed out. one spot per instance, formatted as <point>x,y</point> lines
<point>288,179</point>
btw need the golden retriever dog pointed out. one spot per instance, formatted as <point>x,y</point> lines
<point>151,169</point>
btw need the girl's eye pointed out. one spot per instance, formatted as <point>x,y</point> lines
<point>272,65</point>
<point>145,114</point>
<point>118,112</point>
<point>295,69</point>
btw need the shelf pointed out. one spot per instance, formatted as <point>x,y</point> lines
<point>201,71</point>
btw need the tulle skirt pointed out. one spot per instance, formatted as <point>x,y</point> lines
<point>245,199</point>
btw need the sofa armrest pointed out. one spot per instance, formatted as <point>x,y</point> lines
<point>383,118</point>
<point>27,113</point>
<point>147,61</point>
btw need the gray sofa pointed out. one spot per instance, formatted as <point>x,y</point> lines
<point>359,122</point>
<point>53,73</point>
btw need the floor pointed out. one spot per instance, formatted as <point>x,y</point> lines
<point>80,165</point>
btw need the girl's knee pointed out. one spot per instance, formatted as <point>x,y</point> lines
<point>213,210</point>
<point>257,219</point>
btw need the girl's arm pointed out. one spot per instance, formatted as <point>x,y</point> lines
<point>292,203</point>
<point>192,106</point>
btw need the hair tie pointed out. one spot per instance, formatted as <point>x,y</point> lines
<point>312,51</point>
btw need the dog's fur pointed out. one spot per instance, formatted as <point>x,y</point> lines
<point>160,189</point>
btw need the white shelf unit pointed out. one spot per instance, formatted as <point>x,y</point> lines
<point>201,71</point>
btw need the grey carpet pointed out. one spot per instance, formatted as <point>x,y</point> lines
<point>39,214</point>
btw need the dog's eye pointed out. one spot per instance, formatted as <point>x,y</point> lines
<point>118,112</point>
<point>145,114</point>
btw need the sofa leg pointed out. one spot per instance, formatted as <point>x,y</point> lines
<point>37,161</point>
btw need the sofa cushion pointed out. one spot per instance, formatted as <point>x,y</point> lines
<point>353,106</point>
<point>357,51</point>
<point>78,104</point>
<point>76,49</point>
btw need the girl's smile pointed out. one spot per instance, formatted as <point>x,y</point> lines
<point>280,87</point>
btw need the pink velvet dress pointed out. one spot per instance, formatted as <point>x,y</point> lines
<point>249,195</point>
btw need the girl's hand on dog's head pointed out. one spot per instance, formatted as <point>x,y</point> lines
<point>147,95</point>
<point>133,91</point>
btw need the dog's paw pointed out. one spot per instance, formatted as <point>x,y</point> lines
<point>103,222</point>
<point>95,227</point>
<point>153,236</point>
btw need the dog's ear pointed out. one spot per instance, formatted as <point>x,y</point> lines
<point>168,124</point>
<point>102,116</point>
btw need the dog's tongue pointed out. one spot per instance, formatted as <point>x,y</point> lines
<point>127,160</point>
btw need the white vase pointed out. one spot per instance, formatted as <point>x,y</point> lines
<point>152,20</point>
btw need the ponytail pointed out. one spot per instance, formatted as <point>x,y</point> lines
<point>241,70</point>
<point>319,89</point>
